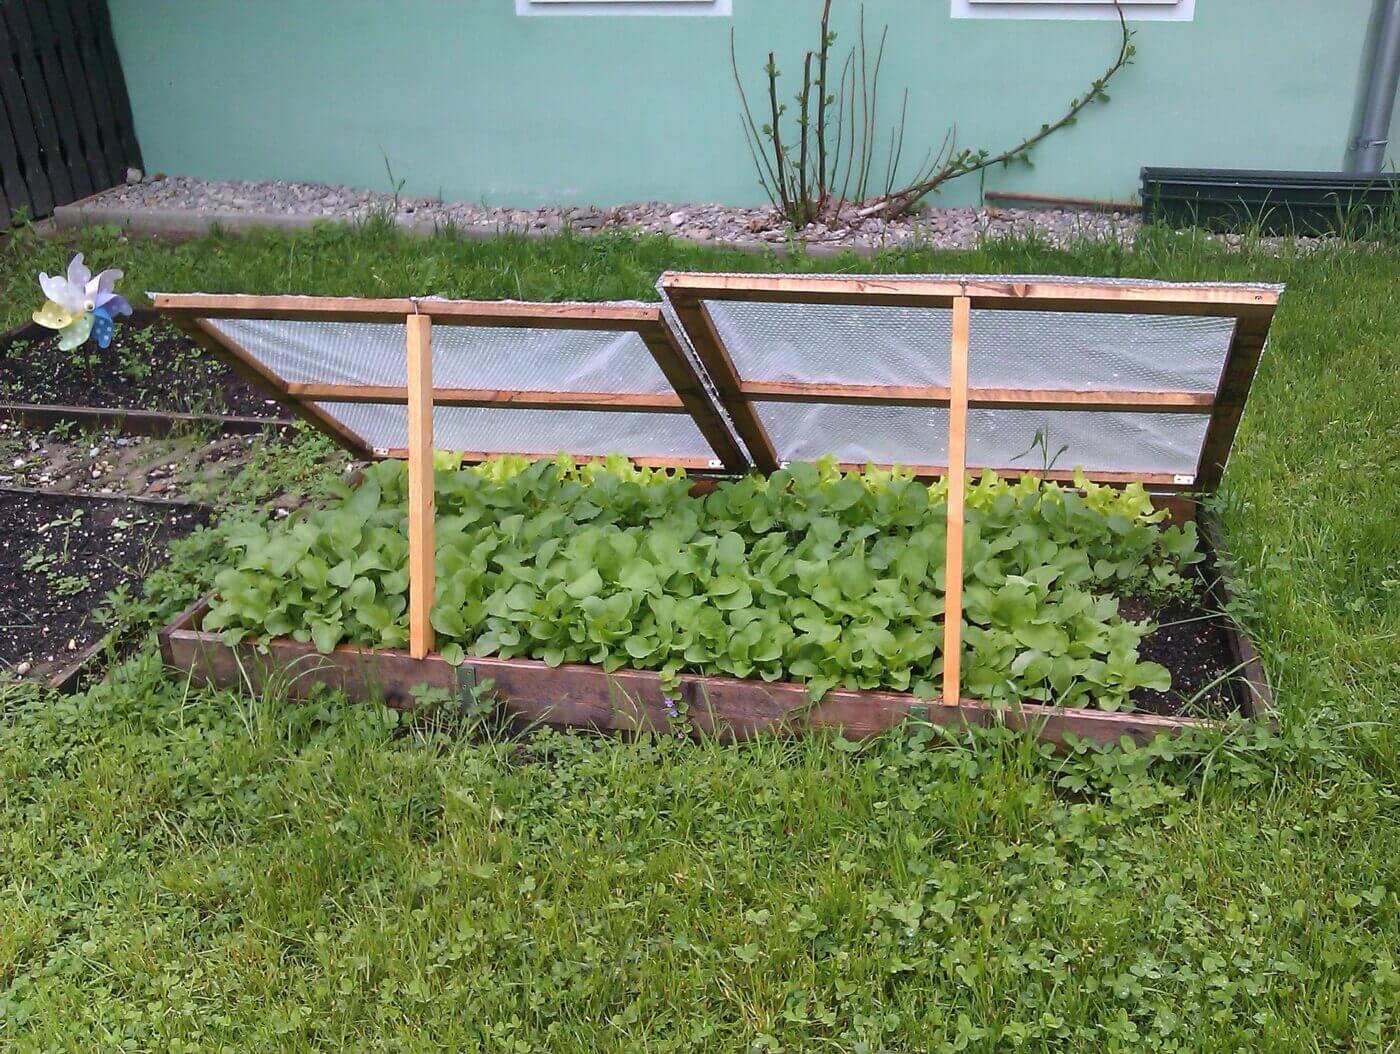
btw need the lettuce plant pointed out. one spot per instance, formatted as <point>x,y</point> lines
<point>809,574</point>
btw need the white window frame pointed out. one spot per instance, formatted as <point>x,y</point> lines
<point>624,7</point>
<point>1083,10</point>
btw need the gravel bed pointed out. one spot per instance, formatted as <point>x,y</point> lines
<point>943,228</point>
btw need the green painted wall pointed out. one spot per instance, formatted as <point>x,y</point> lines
<point>467,98</point>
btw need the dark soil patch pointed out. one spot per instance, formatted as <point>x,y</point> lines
<point>147,367</point>
<point>1192,641</point>
<point>59,557</point>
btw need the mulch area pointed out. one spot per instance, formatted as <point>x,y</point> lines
<point>1192,641</point>
<point>147,367</point>
<point>59,557</point>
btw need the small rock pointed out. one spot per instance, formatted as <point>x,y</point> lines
<point>677,219</point>
<point>133,176</point>
<point>699,234</point>
<point>23,668</point>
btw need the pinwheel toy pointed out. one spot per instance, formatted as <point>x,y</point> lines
<point>80,305</point>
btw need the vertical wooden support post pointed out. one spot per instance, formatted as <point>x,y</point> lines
<point>420,485</point>
<point>957,471</point>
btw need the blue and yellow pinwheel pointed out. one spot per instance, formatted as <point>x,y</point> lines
<point>79,305</point>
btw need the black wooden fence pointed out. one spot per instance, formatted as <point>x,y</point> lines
<point>65,120</point>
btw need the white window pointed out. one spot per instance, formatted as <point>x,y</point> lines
<point>623,7</point>
<point>1134,10</point>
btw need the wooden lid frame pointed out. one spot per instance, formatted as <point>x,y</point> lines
<point>1250,306</point>
<point>191,312</point>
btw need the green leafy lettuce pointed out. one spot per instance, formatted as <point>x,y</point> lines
<point>807,575</point>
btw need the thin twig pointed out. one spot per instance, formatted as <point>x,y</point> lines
<point>751,134</point>
<point>966,162</point>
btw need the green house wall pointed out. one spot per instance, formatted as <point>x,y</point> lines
<point>468,99</point>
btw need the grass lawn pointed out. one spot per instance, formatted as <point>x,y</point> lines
<point>188,870</point>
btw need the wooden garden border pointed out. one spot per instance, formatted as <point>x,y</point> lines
<point>125,420</point>
<point>582,696</point>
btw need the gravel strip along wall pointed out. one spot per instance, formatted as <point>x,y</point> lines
<point>177,206</point>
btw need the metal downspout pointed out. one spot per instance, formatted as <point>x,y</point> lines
<point>1367,152</point>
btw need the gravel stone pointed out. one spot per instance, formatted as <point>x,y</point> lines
<point>938,228</point>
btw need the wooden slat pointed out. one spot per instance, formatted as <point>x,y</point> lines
<point>45,416</point>
<point>518,398</point>
<point>1022,295</point>
<point>957,457</point>
<point>39,194</point>
<point>579,696</point>
<point>1012,398</point>
<point>83,124</point>
<point>100,22</point>
<point>421,504</point>
<point>247,365</point>
<point>591,317</point>
<point>699,464</point>
<point>665,349</point>
<point>71,117</point>
<point>107,131</point>
<point>1241,360</point>
<point>708,346</point>
<point>40,104</point>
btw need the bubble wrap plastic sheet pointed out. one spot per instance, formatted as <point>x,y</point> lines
<point>822,343</point>
<point>1083,350</point>
<point>845,344</point>
<point>512,430</point>
<point>463,356</point>
<point>1096,441</point>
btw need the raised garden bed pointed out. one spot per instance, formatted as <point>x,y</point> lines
<point>59,557</point>
<point>1214,669</point>
<point>151,380</point>
<point>914,593</point>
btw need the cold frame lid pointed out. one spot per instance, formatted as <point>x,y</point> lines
<point>508,377</point>
<point>1128,380</point>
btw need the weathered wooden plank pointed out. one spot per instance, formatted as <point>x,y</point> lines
<point>70,16</point>
<point>578,696</point>
<point>710,348</point>
<point>134,422</point>
<point>505,313</point>
<point>88,119</point>
<point>41,107</point>
<point>1023,294</point>
<point>700,464</point>
<point>1256,696</point>
<point>665,349</point>
<point>38,193</point>
<point>1156,480</point>
<point>1106,399</point>
<point>99,19</point>
<point>1241,361</point>
<point>72,113</point>
<point>518,398</point>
